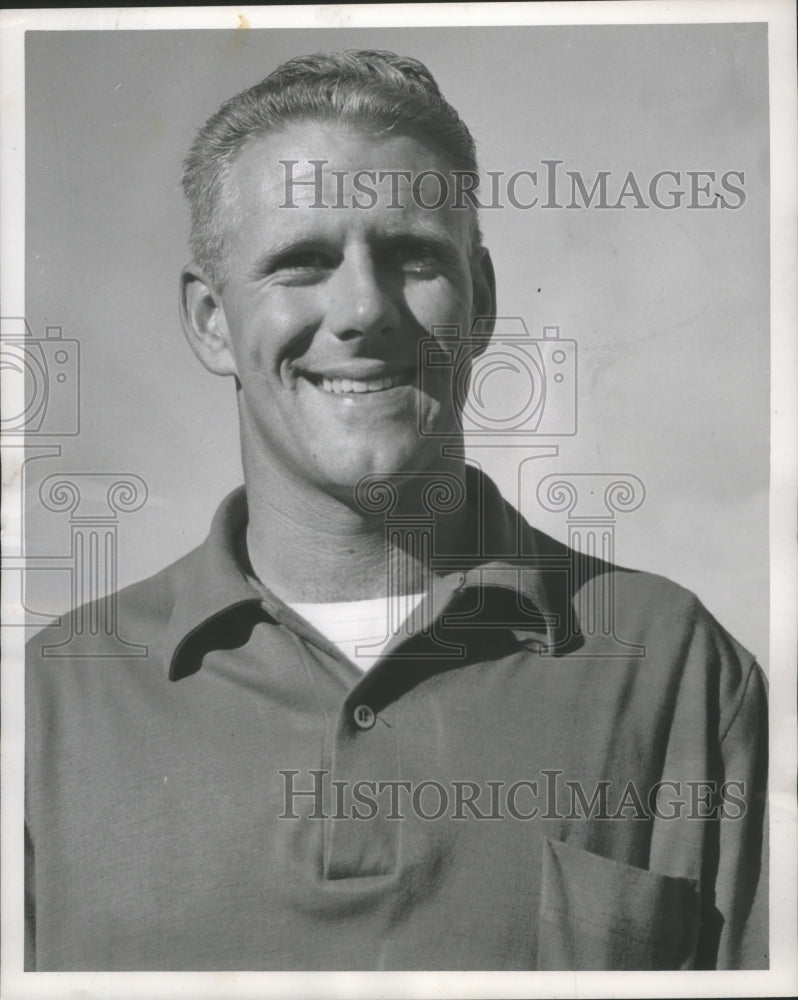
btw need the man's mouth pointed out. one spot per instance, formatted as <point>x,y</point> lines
<point>337,386</point>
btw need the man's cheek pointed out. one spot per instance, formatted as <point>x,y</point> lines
<point>438,402</point>
<point>438,302</point>
<point>291,308</point>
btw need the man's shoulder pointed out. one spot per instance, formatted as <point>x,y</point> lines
<point>622,607</point>
<point>653,598</point>
<point>604,600</point>
<point>127,624</point>
<point>661,604</point>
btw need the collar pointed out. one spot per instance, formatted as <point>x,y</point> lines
<point>534,573</point>
<point>214,585</point>
<point>503,555</point>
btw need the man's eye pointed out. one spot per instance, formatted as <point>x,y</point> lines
<point>417,260</point>
<point>303,260</point>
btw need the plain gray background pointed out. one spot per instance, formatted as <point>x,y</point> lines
<point>669,309</point>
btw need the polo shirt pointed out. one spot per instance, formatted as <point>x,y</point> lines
<point>562,768</point>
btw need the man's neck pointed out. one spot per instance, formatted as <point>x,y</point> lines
<point>308,546</point>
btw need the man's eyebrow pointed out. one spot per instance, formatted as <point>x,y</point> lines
<point>433,237</point>
<point>430,239</point>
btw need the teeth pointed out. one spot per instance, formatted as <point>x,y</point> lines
<point>338,385</point>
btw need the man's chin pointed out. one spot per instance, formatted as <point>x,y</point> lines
<point>353,475</point>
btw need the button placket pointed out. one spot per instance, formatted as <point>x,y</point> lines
<point>364,756</point>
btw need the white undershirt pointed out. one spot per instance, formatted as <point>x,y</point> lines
<point>362,629</point>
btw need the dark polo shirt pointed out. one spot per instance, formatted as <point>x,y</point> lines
<point>562,769</point>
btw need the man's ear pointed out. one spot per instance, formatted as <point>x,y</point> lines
<point>204,321</point>
<point>484,307</point>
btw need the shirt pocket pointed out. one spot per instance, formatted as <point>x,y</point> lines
<point>600,914</point>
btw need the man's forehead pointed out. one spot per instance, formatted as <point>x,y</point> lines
<point>316,171</point>
<point>357,146</point>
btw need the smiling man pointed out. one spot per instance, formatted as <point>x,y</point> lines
<point>319,314</point>
<point>370,731</point>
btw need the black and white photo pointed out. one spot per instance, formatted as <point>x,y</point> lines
<point>391,417</point>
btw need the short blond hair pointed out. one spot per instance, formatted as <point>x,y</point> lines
<point>374,90</point>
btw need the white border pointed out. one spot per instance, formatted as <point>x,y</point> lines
<point>782,979</point>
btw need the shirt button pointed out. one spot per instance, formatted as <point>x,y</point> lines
<point>364,717</point>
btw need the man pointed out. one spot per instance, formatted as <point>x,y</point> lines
<point>371,731</point>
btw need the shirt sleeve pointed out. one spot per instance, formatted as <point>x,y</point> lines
<point>30,906</point>
<point>741,885</point>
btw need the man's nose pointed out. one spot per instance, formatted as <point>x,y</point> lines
<point>363,301</point>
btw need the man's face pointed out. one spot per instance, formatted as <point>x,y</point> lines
<point>324,307</point>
